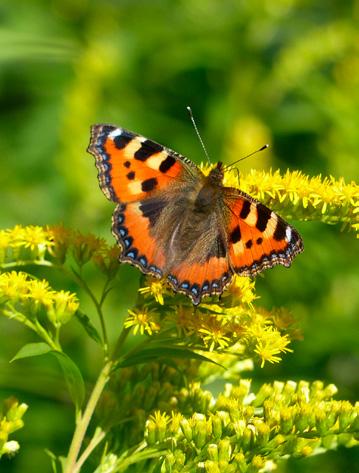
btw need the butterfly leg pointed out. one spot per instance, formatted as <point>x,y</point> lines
<point>238,174</point>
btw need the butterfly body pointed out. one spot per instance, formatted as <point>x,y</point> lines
<point>173,221</point>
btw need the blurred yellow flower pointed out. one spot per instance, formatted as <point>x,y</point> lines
<point>155,289</point>
<point>270,344</point>
<point>214,334</point>
<point>5,239</point>
<point>14,285</point>
<point>86,246</point>
<point>242,290</point>
<point>142,320</point>
<point>37,238</point>
<point>40,292</point>
<point>160,419</point>
<point>62,307</point>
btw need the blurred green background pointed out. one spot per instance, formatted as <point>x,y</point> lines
<point>284,72</point>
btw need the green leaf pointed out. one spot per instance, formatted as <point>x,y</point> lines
<point>53,458</point>
<point>149,354</point>
<point>87,325</point>
<point>32,349</point>
<point>73,378</point>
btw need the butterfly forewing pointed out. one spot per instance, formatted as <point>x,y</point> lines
<point>130,166</point>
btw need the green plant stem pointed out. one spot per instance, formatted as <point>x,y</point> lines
<point>15,264</point>
<point>138,456</point>
<point>84,420</point>
<point>54,344</point>
<point>12,313</point>
<point>82,423</point>
<point>96,439</point>
<point>98,306</point>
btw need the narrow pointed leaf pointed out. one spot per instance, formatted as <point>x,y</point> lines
<point>149,354</point>
<point>32,349</point>
<point>73,378</point>
<point>87,325</point>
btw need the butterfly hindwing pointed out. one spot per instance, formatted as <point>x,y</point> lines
<point>257,237</point>
<point>131,228</point>
<point>205,270</point>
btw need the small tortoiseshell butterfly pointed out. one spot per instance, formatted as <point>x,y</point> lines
<point>173,221</point>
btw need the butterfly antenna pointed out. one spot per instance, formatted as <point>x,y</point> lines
<point>248,155</point>
<point>197,132</point>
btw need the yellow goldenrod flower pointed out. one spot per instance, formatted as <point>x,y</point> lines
<point>62,307</point>
<point>37,238</point>
<point>214,334</point>
<point>143,321</point>
<point>17,235</point>
<point>295,194</point>
<point>270,344</point>
<point>154,289</point>
<point>175,422</point>
<point>14,285</point>
<point>5,239</point>
<point>242,290</point>
<point>157,427</point>
<point>40,292</point>
<point>161,419</point>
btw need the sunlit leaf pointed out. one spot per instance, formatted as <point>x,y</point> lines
<point>32,349</point>
<point>164,353</point>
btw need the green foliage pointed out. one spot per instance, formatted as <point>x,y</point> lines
<point>283,73</point>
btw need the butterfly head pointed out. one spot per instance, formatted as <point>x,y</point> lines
<point>216,174</point>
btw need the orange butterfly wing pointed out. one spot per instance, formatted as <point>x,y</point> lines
<point>130,166</point>
<point>257,237</point>
<point>141,176</point>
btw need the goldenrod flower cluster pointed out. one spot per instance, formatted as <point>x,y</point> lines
<point>11,414</point>
<point>52,245</point>
<point>234,326</point>
<point>237,430</point>
<point>26,299</point>
<point>241,429</point>
<point>295,195</point>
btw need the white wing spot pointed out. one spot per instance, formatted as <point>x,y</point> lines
<point>115,133</point>
<point>288,234</point>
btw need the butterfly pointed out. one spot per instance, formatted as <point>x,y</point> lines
<point>172,221</point>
